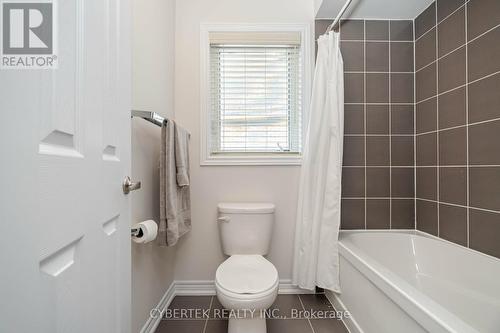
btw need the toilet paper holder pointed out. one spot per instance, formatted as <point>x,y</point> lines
<point>136,232</point>
<point>144,232</point>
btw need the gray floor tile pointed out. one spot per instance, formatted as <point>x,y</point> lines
<point>196,308</point>
<point>216,326</point>
<point>190,302</point>
<point>328,326</point>
<point>288,326</point>
<point>216,304</point>
<point>181,326</point>
<point>284,303</point>
<point>288,306</point>
<point>316,302</point>
<point>216,309</point>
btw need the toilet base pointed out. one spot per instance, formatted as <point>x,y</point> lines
<point>247,325</point>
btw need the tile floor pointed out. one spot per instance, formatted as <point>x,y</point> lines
<point>203,314</point>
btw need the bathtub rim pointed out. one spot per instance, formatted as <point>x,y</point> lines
<point>428,313</point>
<point>417,233</point>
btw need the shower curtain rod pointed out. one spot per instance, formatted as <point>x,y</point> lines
<point>337,19</point>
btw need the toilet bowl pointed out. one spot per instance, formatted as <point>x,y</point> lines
<point>246,286</point>
<point>246,283</point>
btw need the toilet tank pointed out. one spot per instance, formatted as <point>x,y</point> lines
<point>245,228</point>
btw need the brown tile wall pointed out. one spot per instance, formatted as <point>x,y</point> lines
<point>422,123</point>
<point>457,60</point>
<point>378,173</point>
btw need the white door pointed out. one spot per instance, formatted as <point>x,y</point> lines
<point>64,150</point>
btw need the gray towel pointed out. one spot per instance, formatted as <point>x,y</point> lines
<point>182,155</point>
<point>175,202</point>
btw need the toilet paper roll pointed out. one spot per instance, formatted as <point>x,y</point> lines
<point>149,230</point>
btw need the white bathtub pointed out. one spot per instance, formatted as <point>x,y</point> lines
<point>408,281</point>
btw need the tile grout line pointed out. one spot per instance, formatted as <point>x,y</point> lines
<point>456,88</point>
<point>467,117</point>
<point>461,206</point>
<point>210,309</point>
<point>380,135</point>
<point>452,13</point>
<point>304,309</point>
<point>351,103</point>
<point>390,131</point>
<point>426,66</point>
<point>441,57</point>
<point>378,198</point>
<point>377,166</point>
<point>370,19</point>
<point>377,72</point>
<point>439,22</point>
<point>457,166</point>
<point>364,110</point>
<point>376,40</point>
<point>461,126</point>
<point>437,121</point>
<point>444,129</point>
<point>414,131</point>
<point>426,31</point>
<point>482,34</point>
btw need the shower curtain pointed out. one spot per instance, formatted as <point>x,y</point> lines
<point>316,260</point>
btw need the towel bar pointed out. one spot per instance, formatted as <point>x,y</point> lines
<point>152,117</point>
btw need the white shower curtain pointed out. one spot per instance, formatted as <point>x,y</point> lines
<point>316,260</point>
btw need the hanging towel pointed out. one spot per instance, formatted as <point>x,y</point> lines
<point>175,202</point>
<point>181,155</point>
<point>316,259</point>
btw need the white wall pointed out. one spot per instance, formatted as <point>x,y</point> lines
<point>199,253</point>
<point>153,89</point>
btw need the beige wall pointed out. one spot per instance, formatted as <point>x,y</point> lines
<point>199,253</point>
<point>153,89</point>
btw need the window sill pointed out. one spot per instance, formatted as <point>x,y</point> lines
<point>251,160</point>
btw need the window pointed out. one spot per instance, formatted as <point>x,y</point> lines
<point>255,98</point>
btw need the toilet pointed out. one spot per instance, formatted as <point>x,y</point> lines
<point>246,283</point>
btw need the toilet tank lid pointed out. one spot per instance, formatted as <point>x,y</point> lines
<point>246,207</point>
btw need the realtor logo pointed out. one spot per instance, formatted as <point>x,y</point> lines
<point>28,33</point>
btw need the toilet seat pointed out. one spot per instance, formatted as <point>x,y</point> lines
<point>246,275</point>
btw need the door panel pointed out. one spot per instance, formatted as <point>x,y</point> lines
<point>65,149</point>
<point>61,89</point>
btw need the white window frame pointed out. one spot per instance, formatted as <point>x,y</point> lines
<point>205,97</point>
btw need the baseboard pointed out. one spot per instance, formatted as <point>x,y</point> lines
<point>194,288</point>
<point>207,287</point>
<point>337,303</point>
<point>203,288</point>
<point>152,323</point>
<point>287,287</point>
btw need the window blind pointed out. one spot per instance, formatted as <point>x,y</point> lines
<point>256,98</point>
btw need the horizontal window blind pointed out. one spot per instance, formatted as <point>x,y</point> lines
<point>256,98</point>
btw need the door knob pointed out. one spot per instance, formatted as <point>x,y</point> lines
<point>129,185</point>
